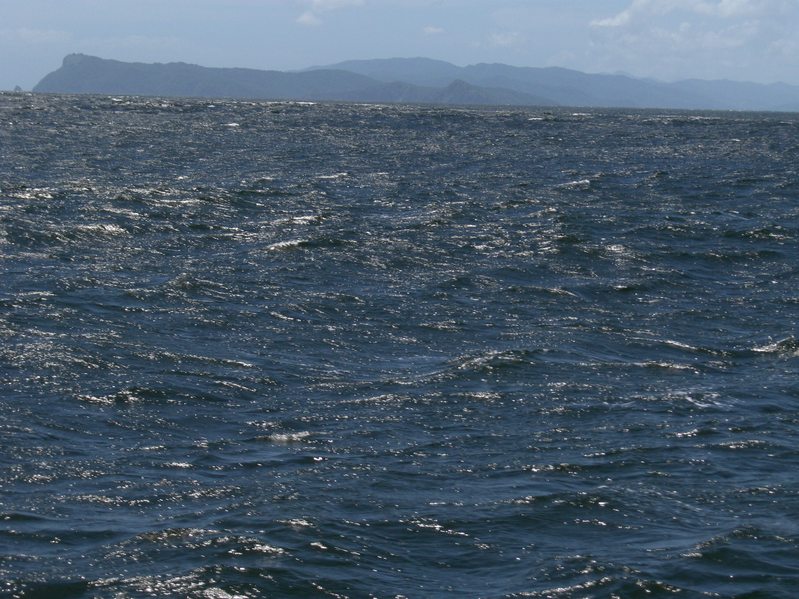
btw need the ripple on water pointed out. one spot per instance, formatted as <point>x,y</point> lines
<point>338,350</point>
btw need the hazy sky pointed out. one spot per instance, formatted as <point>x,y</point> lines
<point>754,40</point>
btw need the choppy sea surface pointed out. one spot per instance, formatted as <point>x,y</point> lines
<point>311,350</point>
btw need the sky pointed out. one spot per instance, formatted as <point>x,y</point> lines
<point>743,40</point>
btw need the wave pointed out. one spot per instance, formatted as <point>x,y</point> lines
<point>787,347</point>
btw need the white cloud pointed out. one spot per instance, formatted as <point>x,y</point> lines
<point>432,30</point>
<point>34,36</point>
<point>312,16</point>
<point>727,9</point>
<point>505,39</point>
<point>732,8</point>
<point>787,48</point>
<point>145,43</point>
<point>323,5</point>
<point>309,19</point>
<point>624,17</point>
<point>672,39</point>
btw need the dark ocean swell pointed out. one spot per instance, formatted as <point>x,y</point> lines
<point>292,350</point>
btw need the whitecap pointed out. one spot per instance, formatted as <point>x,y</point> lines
<point>666,365</point>
<point>270,549</point>
<point>299,220</point>
<point>285,245</point>
<point>34,193</point>
<point>617,248</point>
<point>297,523</point>
<point>289,437</point>
<point>575,184</point>
<point>679,345</point>
<point>788,346</point>
<point>102,229</point>
<point>217,593</point>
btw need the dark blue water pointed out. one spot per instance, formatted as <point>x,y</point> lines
<point>290,350</point>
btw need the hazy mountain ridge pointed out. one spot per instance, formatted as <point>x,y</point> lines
<point>413,80</point>
<point>88,74</point>
<point>575,88</point>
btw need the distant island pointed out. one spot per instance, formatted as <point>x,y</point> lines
<point>413,81</point>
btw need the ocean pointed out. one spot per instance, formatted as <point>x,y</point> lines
<point>253,349</point>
